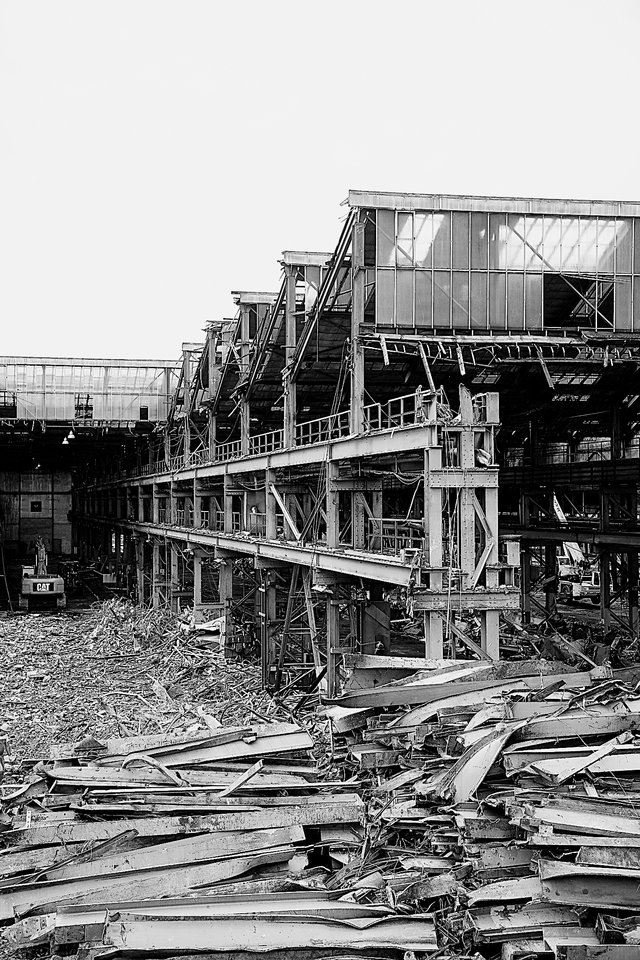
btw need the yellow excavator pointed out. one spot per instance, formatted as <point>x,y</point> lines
<point>38,585</point>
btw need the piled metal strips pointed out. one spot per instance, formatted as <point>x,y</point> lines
<point>215,842</point>
<point>503,798</point>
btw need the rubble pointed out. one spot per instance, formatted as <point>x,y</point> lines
<point>458,808</point>
<point>515,800</point>
<point>116,670</point>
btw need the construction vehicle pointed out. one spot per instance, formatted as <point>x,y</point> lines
<point>38,585</point>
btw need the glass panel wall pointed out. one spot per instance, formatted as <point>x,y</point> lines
<point>463,270</point>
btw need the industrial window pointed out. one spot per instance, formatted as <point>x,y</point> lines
<point>84,406</point>
<point>578,302</point>
<point>36,506</point>
<point>144,413</point>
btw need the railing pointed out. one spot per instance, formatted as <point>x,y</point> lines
<point>228,451</point>
<point>266,442</point>
<point>410,409</point>
<point>391,535</point>
<point>198,457</point>
<point>162,514</point>
<point>399,412</point>
<point>323,429</point>
<point>180,514</point>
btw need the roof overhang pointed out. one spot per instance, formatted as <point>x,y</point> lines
<point>518,205</point>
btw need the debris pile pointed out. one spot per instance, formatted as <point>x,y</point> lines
<point>117,670</point>
<point>217,842</point>
<point>460,808</point>
<point>507,798</point>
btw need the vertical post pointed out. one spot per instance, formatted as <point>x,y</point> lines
<point>186,404</point>
<point>213,371</point>
<point>267,614</point>
<point>228,504</point>
<point>155,504</point>
<point>271,528</point>
<point>245,410</point>
<point>139,555</point>
<point>550,577</point>
<point>290,388</point>
<point>197,503</point>
<point>333,642</point>
<point>359,519</point>
<point>525,582</point>
<point>433,543</point>
<point>605,588</point>
<point>155,575</point>
<point>357,320</point>
<point>197,584</point>
<point>466,510</point>
<point>175,577</point>
<point>225,594</point>
<point>173,503</point>
<point>332,506</point>
<point>245,427</point>
<point>632,587</point>
<point>490,619</point>
<point>617,439</point>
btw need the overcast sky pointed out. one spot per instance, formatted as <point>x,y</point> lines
<point>157,154</point>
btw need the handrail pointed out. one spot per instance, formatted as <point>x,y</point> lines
<point>397,412</point>
<point>266,442</point>
<point>392,535</point>
<point>406,410</point>
<point>323,429</point>
<point>230,450</point>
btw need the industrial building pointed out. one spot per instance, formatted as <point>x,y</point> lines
<point>387,451</point>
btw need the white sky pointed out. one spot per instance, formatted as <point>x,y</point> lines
<point>157,154</point>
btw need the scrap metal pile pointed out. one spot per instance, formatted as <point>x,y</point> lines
<point>512,789</point>
<point>213,843</point>
<point>448,808</point>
